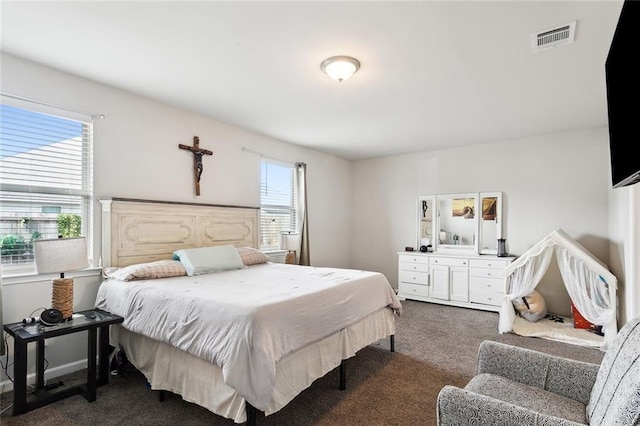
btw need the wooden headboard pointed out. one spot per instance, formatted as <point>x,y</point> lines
<point>138,231</point>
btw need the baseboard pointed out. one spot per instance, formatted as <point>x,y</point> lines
<point>50,373</point>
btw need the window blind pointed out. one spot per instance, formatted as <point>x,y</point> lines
<point>46,179</point>
<point>277,202</point>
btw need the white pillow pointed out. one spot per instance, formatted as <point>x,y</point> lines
<point>205,260</point>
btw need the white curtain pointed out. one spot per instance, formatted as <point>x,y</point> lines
<point>304,257</point>
<point>590,293</point>
<point>522,281</point>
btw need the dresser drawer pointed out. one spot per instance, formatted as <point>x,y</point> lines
<point>488,263</point>
<point>406,266</point>
<point>448,261</point>
<point>486,273</point>
<point>414,289</point>
<point>491,285</point>
<point>485,298</point>
<point>413,277</point>
<point>408,258</point>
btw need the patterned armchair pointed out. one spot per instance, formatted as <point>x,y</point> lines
<point>517,386</point>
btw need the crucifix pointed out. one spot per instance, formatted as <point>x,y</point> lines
<point>197,160</point>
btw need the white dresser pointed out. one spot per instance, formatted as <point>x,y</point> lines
<point>470,281</point>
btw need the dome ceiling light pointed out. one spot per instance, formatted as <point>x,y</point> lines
<point>340,68</point>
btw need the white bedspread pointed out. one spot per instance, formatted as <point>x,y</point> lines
<point>246,320</point>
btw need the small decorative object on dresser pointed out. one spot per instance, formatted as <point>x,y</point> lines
<point>470,281</point>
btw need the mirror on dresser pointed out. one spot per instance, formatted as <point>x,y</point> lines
<point>465,223</point>
<point>489,222</point>
<point>457,223</point>
<point>426,220</point>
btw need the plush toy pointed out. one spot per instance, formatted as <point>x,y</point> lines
<point>532,307</point>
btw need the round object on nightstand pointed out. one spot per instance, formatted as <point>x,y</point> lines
<point>51,317</point>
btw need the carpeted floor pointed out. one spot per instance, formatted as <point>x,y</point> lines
<point>435,345</point>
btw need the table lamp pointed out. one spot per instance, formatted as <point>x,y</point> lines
<point>290,241</point>
<point>60,255</point>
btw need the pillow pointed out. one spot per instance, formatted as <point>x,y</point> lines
<point>578,320</point>
<point>204,260</point>
<point>532,307</point>
<point>147,271</point>
<point>251,256</point>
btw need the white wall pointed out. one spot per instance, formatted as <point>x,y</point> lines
<point>137,156</point>
<point>548,182</point>
<point>624,225</point>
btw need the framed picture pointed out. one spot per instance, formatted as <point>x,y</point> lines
<point>489,208</point>
<point>463,207</point>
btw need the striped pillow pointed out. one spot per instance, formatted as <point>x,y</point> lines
<point>252,256</point>
<point>149,271</point>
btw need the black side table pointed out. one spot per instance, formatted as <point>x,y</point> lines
<point>23,334</point>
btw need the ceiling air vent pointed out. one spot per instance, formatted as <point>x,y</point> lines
<point>553,37</point>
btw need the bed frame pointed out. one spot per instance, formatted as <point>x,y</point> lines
<point>138,231</point>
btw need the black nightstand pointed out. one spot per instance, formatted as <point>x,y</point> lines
<point>97,371</point>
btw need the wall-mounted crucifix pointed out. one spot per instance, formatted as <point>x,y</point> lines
<point>197,160</point>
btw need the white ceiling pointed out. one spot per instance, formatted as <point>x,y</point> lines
<point>434,75</point>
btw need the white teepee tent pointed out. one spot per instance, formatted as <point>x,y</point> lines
<point>590,285</point>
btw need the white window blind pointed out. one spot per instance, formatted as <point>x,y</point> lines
<point>277,202</point>
<point>46,180</point>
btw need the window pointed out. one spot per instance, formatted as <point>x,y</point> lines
<point>277,202</point>
<point>46,179</point>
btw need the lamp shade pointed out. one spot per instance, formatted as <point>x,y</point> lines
<point>290,241</point>
<point>59,255</point>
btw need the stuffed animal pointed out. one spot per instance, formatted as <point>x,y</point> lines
<point>532,307</point>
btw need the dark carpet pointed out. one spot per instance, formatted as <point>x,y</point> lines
<point>435,345</point>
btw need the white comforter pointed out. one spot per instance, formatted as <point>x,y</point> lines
<point>246,320</point>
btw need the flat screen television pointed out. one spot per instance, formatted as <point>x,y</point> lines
<point>623,96</point>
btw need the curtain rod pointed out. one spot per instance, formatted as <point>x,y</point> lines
<point>22,98</point>
<point>266,156</point>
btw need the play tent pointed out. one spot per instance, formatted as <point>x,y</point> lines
<point>591,287</point>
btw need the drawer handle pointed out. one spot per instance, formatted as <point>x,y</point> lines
<point>489,265</point>
<point>464,263</point>
<point>415,267</point>
<point>489,273</point>
<point>435,261</point>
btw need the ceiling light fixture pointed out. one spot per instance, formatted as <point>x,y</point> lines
<point>340,68</point>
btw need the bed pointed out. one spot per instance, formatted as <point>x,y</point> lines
<point>238,342</point>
